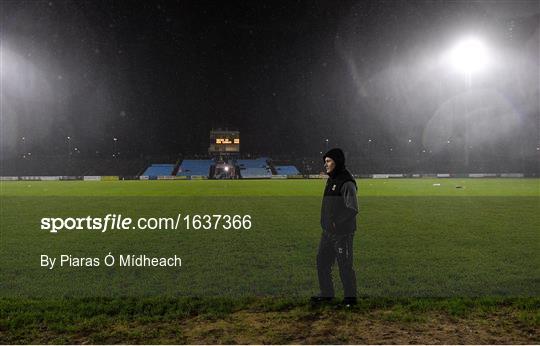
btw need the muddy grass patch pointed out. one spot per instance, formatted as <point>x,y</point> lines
<point>270,320</point>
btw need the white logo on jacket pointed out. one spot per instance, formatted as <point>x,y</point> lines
<point>334,187</point>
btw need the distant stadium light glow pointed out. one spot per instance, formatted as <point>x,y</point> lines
<point>469,55</point>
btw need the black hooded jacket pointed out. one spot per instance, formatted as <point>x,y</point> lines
<point>338,214</point>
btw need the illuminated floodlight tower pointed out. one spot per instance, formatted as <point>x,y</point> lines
<point>468,56</point>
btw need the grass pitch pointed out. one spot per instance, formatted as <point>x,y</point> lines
<point>419,248</point>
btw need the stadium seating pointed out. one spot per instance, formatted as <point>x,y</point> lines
<point>258,163</point>
<point>254,168</point>
<point>247,173</point>
<point>195,167</point>
<point>287,170</point>
<point>159,169</point>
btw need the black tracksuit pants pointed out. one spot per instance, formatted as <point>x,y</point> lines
<point>332,247</point>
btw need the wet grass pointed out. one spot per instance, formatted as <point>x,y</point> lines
<point>425,255</point>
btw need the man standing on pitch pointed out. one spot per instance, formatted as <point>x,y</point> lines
<point>338,222</point>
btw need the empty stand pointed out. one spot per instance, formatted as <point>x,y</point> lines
<point>195,167</point>
<point>159,169</point>
<point>286,170</point>
<point>257,168</point>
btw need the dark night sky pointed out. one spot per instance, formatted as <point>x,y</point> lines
<point>159,75</point>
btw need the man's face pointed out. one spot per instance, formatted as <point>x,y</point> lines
<point>329,164</point>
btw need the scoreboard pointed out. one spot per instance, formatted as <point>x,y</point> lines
<point>224,141</point>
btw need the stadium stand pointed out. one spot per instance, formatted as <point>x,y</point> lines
<point>286,170</point>
<point>257,163</point>
<point>78,165</point>
<point>257,168</point>
<point>159,169</point>
<point>195,167</point>
<point>255,173</point>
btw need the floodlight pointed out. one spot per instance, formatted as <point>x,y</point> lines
<point>469,55</point>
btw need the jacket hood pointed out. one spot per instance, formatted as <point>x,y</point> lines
<point>338,156</point>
